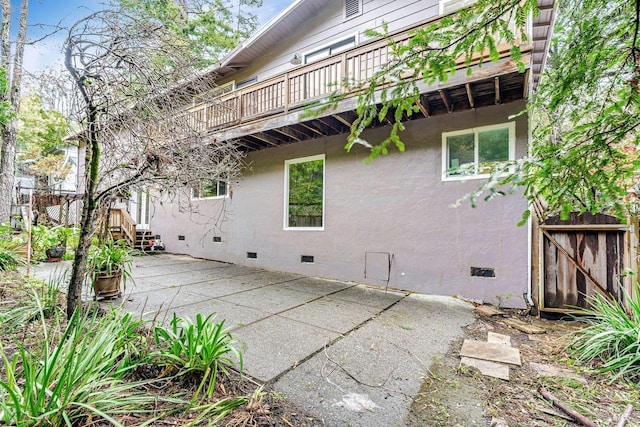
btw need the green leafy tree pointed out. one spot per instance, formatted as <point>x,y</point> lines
<point>212,27</point>
<point>586,109</point>
<point>40,132</point>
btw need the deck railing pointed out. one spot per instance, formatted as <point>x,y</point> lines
<point>121,221</point>
<point>295,88</point>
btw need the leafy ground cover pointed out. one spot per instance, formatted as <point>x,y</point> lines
<point>107,368</point>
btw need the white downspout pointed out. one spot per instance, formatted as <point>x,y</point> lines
<point>529,260</point>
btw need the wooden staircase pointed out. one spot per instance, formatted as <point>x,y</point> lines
<point>122,226</point>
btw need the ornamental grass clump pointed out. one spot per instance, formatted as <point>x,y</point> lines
<point>39,299</point>
<point>203,347</point>
<point>611,341</point>
<point>10,258</point>
<point>75,374</point>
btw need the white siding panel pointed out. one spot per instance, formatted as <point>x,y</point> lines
<point>330,25</point>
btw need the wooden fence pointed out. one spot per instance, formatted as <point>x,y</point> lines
<point>583,256</point>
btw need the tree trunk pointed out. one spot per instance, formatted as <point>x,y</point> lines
<point>8,147</point>
<point>89,209</point>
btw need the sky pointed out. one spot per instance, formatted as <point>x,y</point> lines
<point>45,15</point>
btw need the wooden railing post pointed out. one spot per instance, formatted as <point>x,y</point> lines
<point>286,92</point>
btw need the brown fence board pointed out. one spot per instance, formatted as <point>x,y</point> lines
<point>578,262</point>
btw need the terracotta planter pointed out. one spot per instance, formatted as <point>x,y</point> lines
<point>107,285</point>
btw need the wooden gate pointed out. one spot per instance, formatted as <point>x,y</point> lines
<point>582,256</point>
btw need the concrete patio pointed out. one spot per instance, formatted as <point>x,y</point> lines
<point>348,353</point>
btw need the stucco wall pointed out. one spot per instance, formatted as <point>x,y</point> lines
<point>397,204</point>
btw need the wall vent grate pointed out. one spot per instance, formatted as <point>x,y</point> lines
<point>252,255</point>
<point>181,237</point>
<point>217,239</point>
<point>306,259</point>
<point>351,8</point>
<point>483,272</point>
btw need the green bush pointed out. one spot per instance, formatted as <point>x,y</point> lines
<point>204,346</point>
<point>40,299</point>
<point>10,258</point>
<point>73,375</point>
<point>611,341</point>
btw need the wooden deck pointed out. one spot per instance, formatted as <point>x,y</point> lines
<point>267,113</point>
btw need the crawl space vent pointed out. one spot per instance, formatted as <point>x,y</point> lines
<point>217,239</point>
<point>483,272</point>
<point>252,255</point>
<point>181,237</point>
<point>306,259</point>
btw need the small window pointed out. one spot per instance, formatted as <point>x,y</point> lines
<point>332,49</point>
<point>246,82</point>
<point>215,92</point>
<point>449,6</point>
<point>474,152</point>
<point>210,188</point>
<point>304,193</point>
<point>352,8</point>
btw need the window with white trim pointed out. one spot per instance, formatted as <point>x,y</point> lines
<point>330,49</point>
<point>472,153</point>
<point>209,188</point>
<point>304,193</point>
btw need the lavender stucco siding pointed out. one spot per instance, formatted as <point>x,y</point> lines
<point>398,204</point>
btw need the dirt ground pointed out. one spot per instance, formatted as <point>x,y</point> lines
<point>457,395</point>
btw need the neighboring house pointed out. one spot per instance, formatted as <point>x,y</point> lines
<point>305,205</point>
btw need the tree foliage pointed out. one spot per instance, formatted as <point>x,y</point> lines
<point>587,112</point>
<point>583,154</point>
<point>40,132</point>
<point>432,53</point>
<point>134,82</point>
<point>212,27</point>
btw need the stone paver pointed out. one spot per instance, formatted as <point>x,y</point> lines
<point>349,354</point>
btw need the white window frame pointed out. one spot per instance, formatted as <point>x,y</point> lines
<point>218,181</point>
<point>511,126</point>
<point>287,163</point>
<point>334,42</point>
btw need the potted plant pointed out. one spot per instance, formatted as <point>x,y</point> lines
<point>109,265</point>
<point>56,242</point>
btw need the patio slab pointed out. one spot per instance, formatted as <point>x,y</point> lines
<point>347,353</point>
<point>328,313</point>
<point>275,344</point>
<point>270,299</point>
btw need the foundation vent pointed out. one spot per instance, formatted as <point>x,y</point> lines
<point>483,272</point>
<point>180,237</point>
<point>252,255</point>
<point>306,259</point>
<point>217,239</point>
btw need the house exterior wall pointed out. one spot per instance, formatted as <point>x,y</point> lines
<point>398,205</point>
<point>331,26</point>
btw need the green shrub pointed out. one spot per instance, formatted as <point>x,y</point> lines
<point>204,346</point>
<point>39,298</point>
<point>10,258</point>
<point>79,375</point>
<point>611,341</point>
